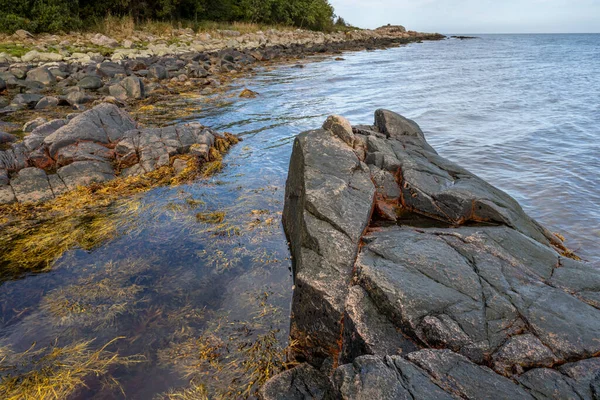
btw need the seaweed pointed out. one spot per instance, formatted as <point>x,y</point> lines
<point>56,372</point>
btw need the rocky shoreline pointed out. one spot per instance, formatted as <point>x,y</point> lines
<point>48,91</point>
<point>416,279</point>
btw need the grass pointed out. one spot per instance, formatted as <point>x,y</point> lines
<point>55,373</point>
<point>14,49</point>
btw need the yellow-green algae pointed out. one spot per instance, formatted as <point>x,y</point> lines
<point>55,372</point>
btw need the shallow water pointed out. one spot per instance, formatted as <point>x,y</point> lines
<point>521,111</point>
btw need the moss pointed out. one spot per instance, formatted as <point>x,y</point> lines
<point>56,372</point>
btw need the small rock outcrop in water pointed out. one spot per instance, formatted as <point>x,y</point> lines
<point>93,147</point>
<point>416,279</point>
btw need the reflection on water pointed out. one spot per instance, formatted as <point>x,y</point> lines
<point>199,282</point>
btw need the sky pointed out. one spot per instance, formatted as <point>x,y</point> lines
<point>475,16</point>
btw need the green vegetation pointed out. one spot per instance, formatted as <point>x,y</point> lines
<point>66,15</point>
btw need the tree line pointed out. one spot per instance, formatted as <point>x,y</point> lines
<point>65,15</point>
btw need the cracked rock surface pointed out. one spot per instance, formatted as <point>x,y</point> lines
<point>416,279</point>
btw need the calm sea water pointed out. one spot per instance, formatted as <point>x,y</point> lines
<point>521,111</point>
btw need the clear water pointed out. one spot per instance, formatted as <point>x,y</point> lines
<point>521,111</point>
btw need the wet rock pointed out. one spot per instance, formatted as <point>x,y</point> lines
<point>84,173</point>
<point>47,102</point>
<point>456,374</point>
<point>368,332</point>
<point>31,186</point>
<point>248,94</point>
<point>104,124</point>
<point>90,82</point>
<point>370,377</point>
<point>42,75</point>
<point>300,383</point>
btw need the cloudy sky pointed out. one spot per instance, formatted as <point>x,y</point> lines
<point>475,16</point>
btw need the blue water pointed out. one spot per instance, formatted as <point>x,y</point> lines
<point>521,111</point>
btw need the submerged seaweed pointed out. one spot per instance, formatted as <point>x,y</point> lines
<point>55,372</point>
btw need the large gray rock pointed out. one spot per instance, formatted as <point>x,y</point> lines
<point>446,261</point>
<point>328,196</point>
<point>26,99</point>
<point>105,124</point>
<point>90,82</point>
<point>84,173</point>
<point>31,186</point>
<point>131,87</point>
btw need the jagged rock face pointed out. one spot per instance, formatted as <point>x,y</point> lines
<point>444,261</point>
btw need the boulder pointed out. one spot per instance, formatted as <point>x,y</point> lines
<point>104,124</point>
<point>30,185</point>
<point>109,69</point>
<point>42,75</point>
<point>104,41</point>
<point>26,99</point>
<point>90,82</point>
<point>131,87</point>
<point>23,34</point>
<point>417,276</point>
<point>47,102</point>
